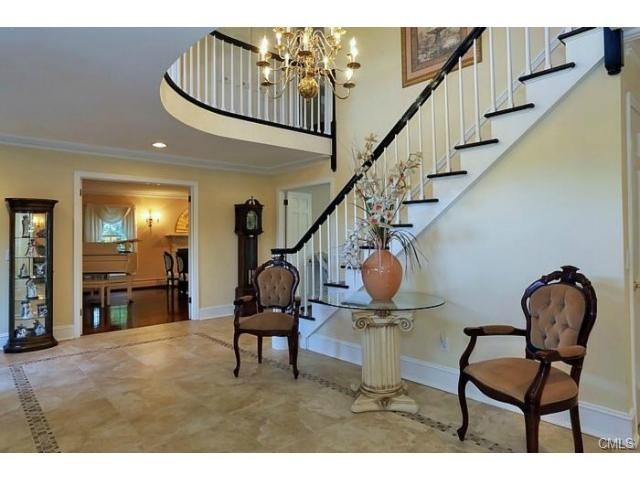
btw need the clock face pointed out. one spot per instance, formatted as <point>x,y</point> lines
<point>252,220</point>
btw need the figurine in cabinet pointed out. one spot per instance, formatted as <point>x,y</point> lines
<point>26,311</point>
<point>26,226</point>
<point>40,269</point>
<point>23,271</point>
<point>38,328</point>
<point>32,290</point>
<point>31,249</point>
<point>21,332</point>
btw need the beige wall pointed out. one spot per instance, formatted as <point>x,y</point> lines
<point>50,174</point>
<point>152,242</point>
<point>555,199</point>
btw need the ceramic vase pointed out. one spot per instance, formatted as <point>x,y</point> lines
<point>382,275</point>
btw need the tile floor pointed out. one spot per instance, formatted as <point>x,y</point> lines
<point>170,388</point>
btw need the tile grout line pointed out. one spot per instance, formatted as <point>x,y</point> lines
<point>41,433</point>
<point>35,415</point>
<point>416,417</point>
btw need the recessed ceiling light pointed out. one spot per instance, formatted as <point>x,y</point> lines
<point>159,145</point>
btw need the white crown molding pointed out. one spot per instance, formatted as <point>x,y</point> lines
<point>106,191</point>
<point>597,420</point>
<point>63,146</point>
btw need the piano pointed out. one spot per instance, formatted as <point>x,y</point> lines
<point>110,265</point>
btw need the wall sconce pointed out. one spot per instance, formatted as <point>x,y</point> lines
<point>150,220</point>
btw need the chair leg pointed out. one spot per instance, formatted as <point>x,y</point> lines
<point>532,423</point>
<point>575,428</point>
<point>294,354</point>
<point>259,349</point>
<point>236,349</point>
<point>462,398</point>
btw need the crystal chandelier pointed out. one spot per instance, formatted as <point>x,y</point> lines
<point>307,54</point>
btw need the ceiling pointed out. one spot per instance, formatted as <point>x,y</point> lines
<point>96,90</point>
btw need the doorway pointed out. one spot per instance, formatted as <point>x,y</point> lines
<point>135,253</point>
<point>299,207</point>
<point>633,167</point>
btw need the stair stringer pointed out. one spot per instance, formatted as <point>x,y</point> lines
<point>586,50</point>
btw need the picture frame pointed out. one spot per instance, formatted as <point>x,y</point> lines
<point>42,310</point>
<point>426,49</point>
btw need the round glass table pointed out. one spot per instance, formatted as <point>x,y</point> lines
<point>380,323</point>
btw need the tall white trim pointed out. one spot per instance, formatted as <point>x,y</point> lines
<point>632,184</point>
<point>194,312</point>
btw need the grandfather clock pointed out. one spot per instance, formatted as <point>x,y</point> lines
<point>248,227</point>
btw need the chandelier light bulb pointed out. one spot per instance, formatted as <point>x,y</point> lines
<point>348,74</point>
<point>264,47</point>
<point>266,71</point>
<point>279,37</point>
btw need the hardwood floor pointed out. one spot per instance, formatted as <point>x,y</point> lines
<point>150,306</point>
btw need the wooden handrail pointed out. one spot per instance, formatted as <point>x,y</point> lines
<point>449,65</point>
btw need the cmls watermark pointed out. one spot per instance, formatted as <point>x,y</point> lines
<point>617,444</point>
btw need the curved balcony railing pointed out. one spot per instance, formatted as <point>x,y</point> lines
<point>219,73</point>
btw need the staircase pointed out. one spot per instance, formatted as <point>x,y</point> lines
<point>468,116</point>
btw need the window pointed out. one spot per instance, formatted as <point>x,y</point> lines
<point>112,232</point>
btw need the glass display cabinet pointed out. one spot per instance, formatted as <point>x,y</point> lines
<point>30,274</point>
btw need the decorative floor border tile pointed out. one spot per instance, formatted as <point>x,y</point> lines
<point>43,437</point>
<point>45,441</point>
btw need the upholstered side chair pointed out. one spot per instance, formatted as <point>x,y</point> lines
<point>275,284</point>
<point>560,310</point>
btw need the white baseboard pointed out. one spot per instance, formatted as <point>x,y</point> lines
<point>596,420</point>
<point>215,311</point>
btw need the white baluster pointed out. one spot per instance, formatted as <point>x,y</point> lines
<point>346,216</point>
<point>291,105</point>
<point>258,96</point>
<point>305,290</point>
<point>185,72</point>
<point>191,66</point>
<point>421,166</point>
<point>321,261</point>
<point>249,86</point>
<point>547,49</point>
<point>434,169</point>
<point>297,95</point>
<point>461,103</point>
<point>329,251</point>
<point>232,83</point>
<point>311,116</point>
<point>214,73</point>
<point>313,269</point>
<point>355,210</point>
<point>317,129</point>
<point>337,250</point>
<point>304,114</point>
<point>509,70</point>
<point>447,141</point>
<point>395,157</point>
<point>408,127</point>
<point>197,70</point>
<point>385,165</point>
<point>207,95</point>
<point>492,80</point>
<point>179,70</point>
<point>275,91</point>
<point>476,93</point>
<point>527,52</point>
<point>222,71</point>
<point>283,119</point>
<point>241,87</point>
<point>266,102</point>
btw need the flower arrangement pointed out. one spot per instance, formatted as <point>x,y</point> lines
<point>380,199</point>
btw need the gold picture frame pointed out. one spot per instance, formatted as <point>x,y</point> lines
<point>426,49</point>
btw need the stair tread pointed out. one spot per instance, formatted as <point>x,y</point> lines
<point>424,200</point>
<point>447,174</point>
<point>307,317</point>
<point>563,36</point>
<point>336,284</point>
<point>547,71</point>
<point>476,144</point>
<point>504,111</point>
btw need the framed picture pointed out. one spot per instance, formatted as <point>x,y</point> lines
<point>426,49</point>
<point>42,310</point>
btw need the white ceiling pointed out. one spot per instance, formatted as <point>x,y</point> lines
<point>97,90</point>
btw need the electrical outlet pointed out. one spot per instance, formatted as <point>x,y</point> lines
<point>444,342</point>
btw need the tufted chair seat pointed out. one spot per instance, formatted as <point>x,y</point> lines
<point>560,310</point>
<point>513,377</point>
<point>275,284</point>
<point>267,321</point>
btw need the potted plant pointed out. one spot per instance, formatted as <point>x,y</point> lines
<point>379,199</point>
